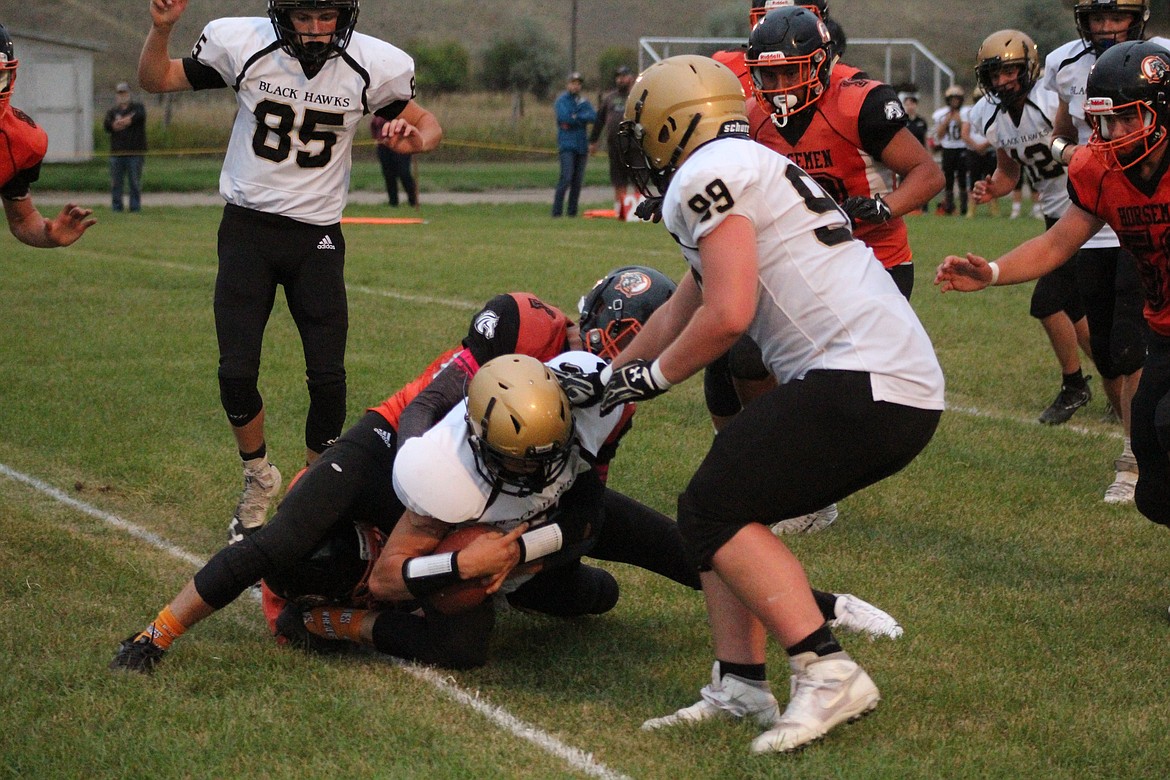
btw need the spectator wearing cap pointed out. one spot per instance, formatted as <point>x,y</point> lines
<point>611,105</point>
<point>126,124</point>
<point>574,114</point>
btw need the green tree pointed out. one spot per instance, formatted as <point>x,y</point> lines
<point>526,61</point>
<point>440,67</point>
<point>613,58</point>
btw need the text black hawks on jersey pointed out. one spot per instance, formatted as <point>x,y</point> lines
<point>1026,140</point>
<point>290,149</point>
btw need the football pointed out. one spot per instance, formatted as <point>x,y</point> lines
<point>465,594</point>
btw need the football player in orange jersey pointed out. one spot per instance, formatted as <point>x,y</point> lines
<point>1118,178</point>
<point>22,148</point>
<point>332,521</point>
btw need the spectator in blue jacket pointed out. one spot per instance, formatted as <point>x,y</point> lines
<point>574,113</point>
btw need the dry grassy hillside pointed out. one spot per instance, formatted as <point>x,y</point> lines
<point>950,28</point>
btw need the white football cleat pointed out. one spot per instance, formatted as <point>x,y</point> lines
<point>807,524</point>
<point>1124,482</point>
<point>826,692</point>
<point>261,484</point>
<point>728,696</point>
<point>856,616</point>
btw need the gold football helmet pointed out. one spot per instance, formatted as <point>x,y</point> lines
<point>1084,11</point>
<point>520,424</point>
<point>676,105</point>
<point>1004,49</point>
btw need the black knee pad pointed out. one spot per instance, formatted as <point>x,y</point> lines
<point>745,360</point>
<point>572,590</point>
<point>326,413</point>
<point>241,400</point>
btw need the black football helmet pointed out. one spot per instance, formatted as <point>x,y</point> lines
<point>618,306</point>
<point>336,572</point>
<point>1132,76</point>
<point>313,51</point>
<point>1004,49</point>
<point>792,37</point>
<point>8,65</point>
<point>1084,10</point>
<point>760,8</point>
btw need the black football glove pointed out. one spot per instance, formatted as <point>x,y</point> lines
<point>582,389</point>
<point>649,210</point>
<point>635,381</point>
<point>872,210</point>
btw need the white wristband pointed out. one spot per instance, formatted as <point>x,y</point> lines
<point>1059,145</point>
<point>540,542</point>
<point>994,266</point>
<point>657,376</point>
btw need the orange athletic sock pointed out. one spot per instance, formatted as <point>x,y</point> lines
<point>165,629</point>
<point>335,623</point>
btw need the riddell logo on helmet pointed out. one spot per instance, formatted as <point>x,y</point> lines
<point>632,283</point>
<point>1155,69</point>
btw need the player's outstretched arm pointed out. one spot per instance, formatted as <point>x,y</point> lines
<point>27,224</point>
<point>1030,260</point>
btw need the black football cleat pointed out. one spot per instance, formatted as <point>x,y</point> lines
<point>137,654</point>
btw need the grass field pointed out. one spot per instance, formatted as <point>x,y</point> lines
<point>1035,615</point>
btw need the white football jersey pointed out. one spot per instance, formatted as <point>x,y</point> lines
<point>1028,143</point>
<point>823,301</point>
<point>291,144</point>
<point>953,137</point>
<point>435,474</point>
<point>1066,72</point>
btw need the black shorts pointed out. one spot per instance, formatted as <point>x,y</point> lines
<point>258,252</point>
<point>794,450</point>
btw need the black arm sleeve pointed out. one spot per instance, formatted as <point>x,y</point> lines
<point>432,404</point>
<point>392,110</point>
<point>875,124</point>
<point>202,76</point>
<point>18,186</point>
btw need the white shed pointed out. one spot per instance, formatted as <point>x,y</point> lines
<point>54,86</point>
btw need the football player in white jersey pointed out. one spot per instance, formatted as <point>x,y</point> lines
<point>304,81</point>
<point>1107,274</point>
<point>948,121</point>
<point>860,391</point>
<point>1016,115</point>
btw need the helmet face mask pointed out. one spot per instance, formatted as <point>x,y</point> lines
<point>1086,11</point>
<point>1001,51</point>
<point>520,425</point>
<point>8,66</point>
<point>789,56</point>
<point>309,49</point>
<point>677,105</point>
<point>618,306</point>
<point>1127,103</point>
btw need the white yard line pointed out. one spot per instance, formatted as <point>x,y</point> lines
<point>575,758</point>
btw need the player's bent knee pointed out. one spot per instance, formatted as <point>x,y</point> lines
<point>241,400</point>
